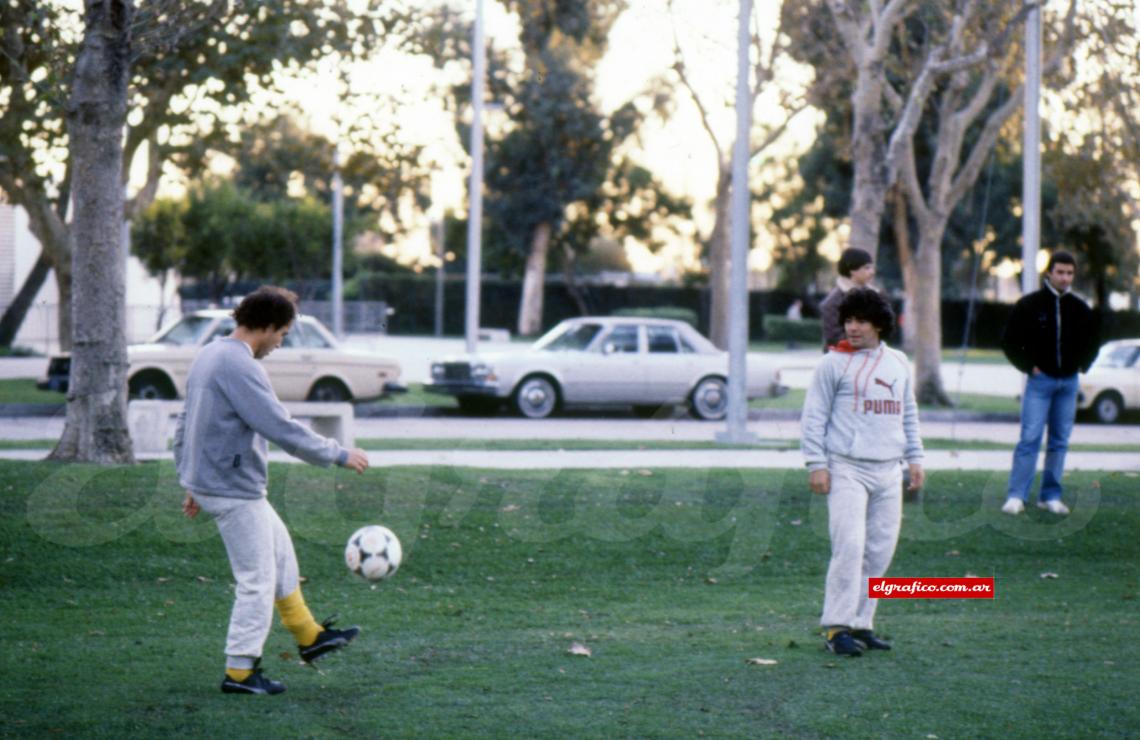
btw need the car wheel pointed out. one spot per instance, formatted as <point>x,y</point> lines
<point>1108,407</point>
<point>709,399</point>
<point>329,390</point>
<point>477,405</point>
<point>536,397</point>
<point>151,386</point>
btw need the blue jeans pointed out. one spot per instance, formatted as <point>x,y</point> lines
<point>1052,401</point>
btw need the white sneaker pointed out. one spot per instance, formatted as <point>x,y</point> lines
<point>1013,506</point>
<point>1054,507</point>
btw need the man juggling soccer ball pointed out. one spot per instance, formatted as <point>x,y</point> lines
<point>859,423</point>
<point>221,454</point>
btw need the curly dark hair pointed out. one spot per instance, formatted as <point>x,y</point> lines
<point>866,304</point>
<point>268,306</point>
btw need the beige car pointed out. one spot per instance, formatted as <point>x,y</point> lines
<point>309,366</point>
<point>1112,384</point>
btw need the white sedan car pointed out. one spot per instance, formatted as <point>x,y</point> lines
<point>1112,384</point>
<point>309,366</point>
<point>602,361</point>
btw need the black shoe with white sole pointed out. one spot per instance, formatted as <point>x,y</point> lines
<point>328,640</point>
<point>256,683</point>
<point>844,644</point>
<point>869,641</point>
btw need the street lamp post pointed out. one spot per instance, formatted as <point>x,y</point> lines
<point>338,248</point>
<point>475,193</point>
<point>1031,153</point>
<point>737,417</point>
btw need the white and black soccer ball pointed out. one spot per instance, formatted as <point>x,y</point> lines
<point>373,552</point>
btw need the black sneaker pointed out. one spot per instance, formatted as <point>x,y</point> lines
<point>330,639</point>
<point>844,644</point>
<point>256,683</point>
<point>867,639</point>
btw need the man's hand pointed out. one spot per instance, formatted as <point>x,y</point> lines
<point>820,481</point>
<point>190,507</point>
<point>1036,370</point>
<point>357,460</point>
<point>917,477</point>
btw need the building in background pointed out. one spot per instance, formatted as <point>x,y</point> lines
<point>19,250</point>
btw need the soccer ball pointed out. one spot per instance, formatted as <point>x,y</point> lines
<point>373,552</point>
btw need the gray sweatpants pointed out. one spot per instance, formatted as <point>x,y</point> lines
<point>864,511</point>
<point>264,567</point>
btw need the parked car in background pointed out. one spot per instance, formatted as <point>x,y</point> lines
<point>602,361</point>
<point>1112,384</point>
<point>310,365</point>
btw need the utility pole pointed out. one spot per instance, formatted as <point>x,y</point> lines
<point>1031,153</point>
<point>338,248</point>
<point>737,417</point>
<point>475,190</point>
<point>441,254</point>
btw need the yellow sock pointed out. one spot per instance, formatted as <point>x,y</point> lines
<point>297,618</point>
<point>238,674</point>
<point>833,631</point>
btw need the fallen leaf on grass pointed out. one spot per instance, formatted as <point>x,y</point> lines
<point>644,472</point>
<point>952,553</point>
<point>163,579</point>
<point>711,581</point>
<point>762,661</point>
<point>204,579</point>
<point>796,522</point>
<point>577,648</point>
<point>1047,574</point>
<point>509,508</point>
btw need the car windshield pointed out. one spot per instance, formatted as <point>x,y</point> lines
<point>188,331</point>
<point>1122,356</point>
<point>568,338</point>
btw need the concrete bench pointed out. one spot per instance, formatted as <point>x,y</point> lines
<point>151,423</point>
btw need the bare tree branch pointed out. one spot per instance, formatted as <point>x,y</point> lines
<point>679,67</point>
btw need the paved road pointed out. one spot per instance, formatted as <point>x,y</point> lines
<point>783,426</point>
<point>637,461</point>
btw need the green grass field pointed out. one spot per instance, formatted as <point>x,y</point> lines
<point>114,609</point>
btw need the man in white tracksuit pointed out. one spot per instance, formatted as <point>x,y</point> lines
<point>859,423</point>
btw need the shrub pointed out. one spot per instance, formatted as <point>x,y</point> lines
<point>782,329</point>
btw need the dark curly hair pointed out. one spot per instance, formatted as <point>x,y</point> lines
<point>866,304</point>
<point>268,306</point>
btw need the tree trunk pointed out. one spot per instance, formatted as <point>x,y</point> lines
<point>534,282</point>
<point>910,278</point>
<point>96,428</point>
<point>17,310</point>
<point>720,252</point>
<point>927,317</point>
<point>63,286</point>
<point>569,259</point>
<point>869,191</point>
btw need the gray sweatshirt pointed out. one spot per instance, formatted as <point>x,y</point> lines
<point>861,405</point>
<point>220,441</point>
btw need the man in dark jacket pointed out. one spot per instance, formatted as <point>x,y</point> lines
<point>1051,337</point>
<point>856,269</point>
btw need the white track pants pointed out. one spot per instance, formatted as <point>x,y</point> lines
<point>264,567</point>
<point>864,511</point>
